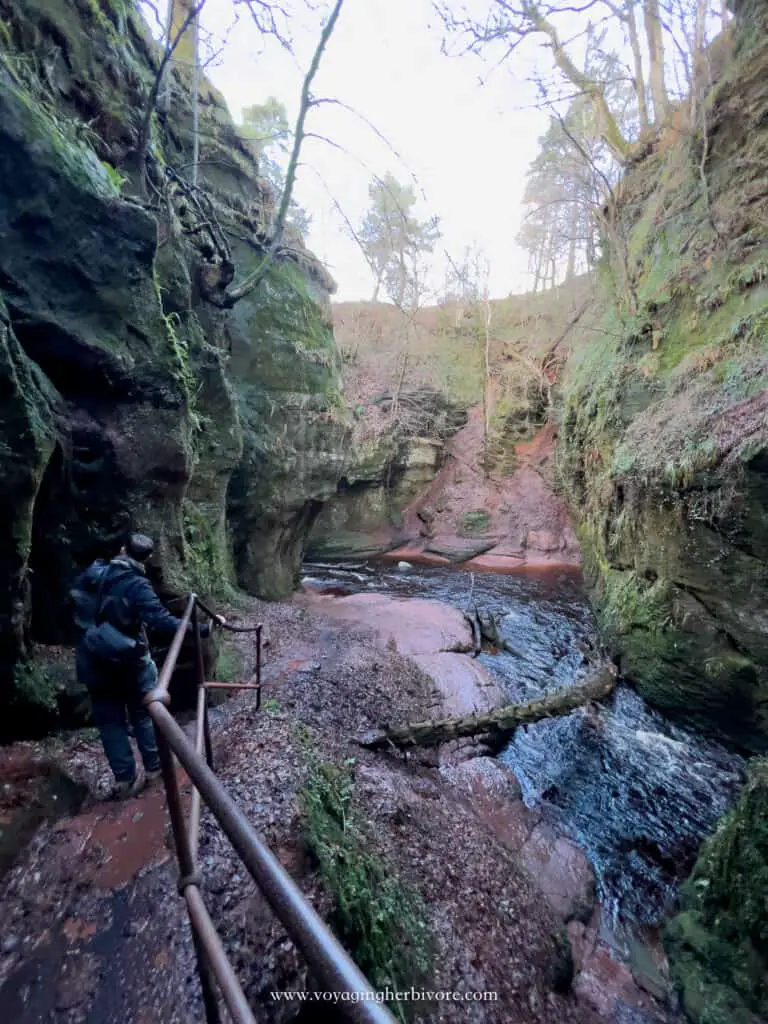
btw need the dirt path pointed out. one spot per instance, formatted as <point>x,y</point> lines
<point>93,930</point>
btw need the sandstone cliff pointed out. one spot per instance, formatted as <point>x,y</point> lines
<point>128,399</point>
<point>664,441</point>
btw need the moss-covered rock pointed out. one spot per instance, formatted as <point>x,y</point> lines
<point>476,521</point>
<point>718,943</point>
<point>664,441</point>
<point>129,398</point>
<point>27,413</point>
<point>387,467</point>
<point>77,272</point>
<point>286,375</point>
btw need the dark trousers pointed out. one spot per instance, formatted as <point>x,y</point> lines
<point>116,698</point>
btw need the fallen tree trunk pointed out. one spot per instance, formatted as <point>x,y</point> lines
<point>599,684</point>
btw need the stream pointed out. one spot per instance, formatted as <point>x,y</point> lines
<point>635,791</point>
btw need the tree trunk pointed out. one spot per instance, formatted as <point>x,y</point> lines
<point>497,723</point>
<point>182,26</point>
<point>608,125</point>
<point>539,261</point>
<point>637,60</point>
<point>655,37</point>
<point>254,279</point>
<point>182,32</point>
<point>377,288</point>
<point>701,27</point>
<point>570,272</point>
<point>196,104</point>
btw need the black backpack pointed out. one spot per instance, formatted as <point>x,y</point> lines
<point>84,595</point>
<point>106,641</point>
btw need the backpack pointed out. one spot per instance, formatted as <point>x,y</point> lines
<point>83,597</point>
<point>103,640</point>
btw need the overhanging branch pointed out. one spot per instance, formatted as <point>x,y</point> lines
<point>237,292</point>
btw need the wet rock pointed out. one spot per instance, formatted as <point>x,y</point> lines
<point>544,540</point>
<point>408,627</point>
<point>668,476</point>
<point>484,777</point>
<point>465,686</point>
<point>459,549</point>
<point>562,871</point>
<point>560,868</point>
<point>129,400</point>
<point>649,969</point>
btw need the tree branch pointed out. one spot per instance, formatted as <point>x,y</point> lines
<point>238,292</point>
<point>142,145</point>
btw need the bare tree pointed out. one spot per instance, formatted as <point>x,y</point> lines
<point>625,13</point>
<point>182,32</point>
<point>655,38</point>
<point>230,296</point>
<point>270,18</point>
<point>511,25</point>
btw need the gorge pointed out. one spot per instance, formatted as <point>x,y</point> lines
<point>622,431</point>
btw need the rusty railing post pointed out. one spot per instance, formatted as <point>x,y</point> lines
<point>189,877</point>
<point>258,667</point>
<point>201,684</point>
<point>327,959</point>
<point>194,814</point>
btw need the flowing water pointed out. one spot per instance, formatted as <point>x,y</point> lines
<point>637,792</point>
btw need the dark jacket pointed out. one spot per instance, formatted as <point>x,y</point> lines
<point>127,599</point>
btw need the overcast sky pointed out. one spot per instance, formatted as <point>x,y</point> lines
<point>468,144</point>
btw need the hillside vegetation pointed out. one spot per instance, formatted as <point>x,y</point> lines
<point>444,349</point>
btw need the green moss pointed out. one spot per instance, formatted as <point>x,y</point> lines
<point>67,151</point>
<point>661,446</point>
<point>476,521</point>
<point>117,179</point>
<point>739,317</point>
<point>627,601</point>
<point>381,919</point>
<point>207,558</point>
<point>717,945</point>
<point>36,686</point>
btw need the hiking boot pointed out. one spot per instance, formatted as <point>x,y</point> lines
<point>126,790</point>
<point>153,776</point>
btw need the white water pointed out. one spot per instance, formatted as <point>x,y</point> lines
<point>637,792</point>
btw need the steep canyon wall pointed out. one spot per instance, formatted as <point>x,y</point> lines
<point>664,440</point>
<point>129,398</point>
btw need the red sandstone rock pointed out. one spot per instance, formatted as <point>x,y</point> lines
<point>410,627</point>
<point>465,686</point>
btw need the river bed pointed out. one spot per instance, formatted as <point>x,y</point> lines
<point>637,792</point>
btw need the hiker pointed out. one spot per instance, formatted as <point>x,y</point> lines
<point>114,605</point>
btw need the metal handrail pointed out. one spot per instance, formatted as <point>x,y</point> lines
<point>328,960</point>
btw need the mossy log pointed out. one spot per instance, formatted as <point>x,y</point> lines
<point>598,684</point>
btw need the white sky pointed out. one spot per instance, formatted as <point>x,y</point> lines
<point>469,145</point>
